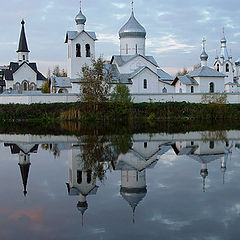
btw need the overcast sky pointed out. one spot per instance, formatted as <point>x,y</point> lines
<point>174,28</point>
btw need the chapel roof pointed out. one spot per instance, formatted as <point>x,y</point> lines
<point>122,60</point>
<point>71,35</point>
<point>14,66</point>
<point>205,71</point>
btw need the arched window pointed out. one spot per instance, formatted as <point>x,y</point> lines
<point>79,177</point>
<point>136,49</point>
<point>211,145</point>
<point>192,89</point>
<point>145,145</point>
<point>25,86</point>
<point>180,90</point>
<point>164,90</point>
<point>126,48</point>
<point>33,87</point>
<point>218,67</point>
<point>88,53</point>
<point>24,58</point>
<point>89,176</point>
<point>78,50</point>
<point>227,67</point>
<point>211,87</point>
<point>17,86</point>
<point>145,83</point>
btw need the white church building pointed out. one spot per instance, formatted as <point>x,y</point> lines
<point>140,72</point>
<point>132,67</point>
<point>22,75</point>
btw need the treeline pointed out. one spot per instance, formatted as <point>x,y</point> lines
<point>109,111</point>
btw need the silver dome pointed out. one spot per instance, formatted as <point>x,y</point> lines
<point>132,29</point>
<point>80,18</point>
<point>237,62</point>
<point>204,56</point>
<point>223,40</point>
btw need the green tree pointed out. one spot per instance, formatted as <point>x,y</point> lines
<point>45,87</point>
<point>95,84</point>
<point>121,99</point>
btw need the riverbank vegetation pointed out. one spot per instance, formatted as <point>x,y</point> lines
<point>118,111</point>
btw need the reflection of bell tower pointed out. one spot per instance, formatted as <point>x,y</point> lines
<point>133,187</point>
<point>24,164</point>
<point>82,182</point>
<point>23,151</point>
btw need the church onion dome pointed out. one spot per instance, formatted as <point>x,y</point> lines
<point>223,40</point>
<point>237,63</point>
<point>80,18</point>
<point>204,56</point>
<point>132,29</point>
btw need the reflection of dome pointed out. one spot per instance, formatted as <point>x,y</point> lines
<point>204,173</point>
<point>223,169</point>
<point>132,29</point>
<point>82,207</point>
<point>133,196</point>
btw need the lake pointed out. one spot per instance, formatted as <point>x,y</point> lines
<point>120,186</point>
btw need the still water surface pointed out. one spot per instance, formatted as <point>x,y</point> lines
<point>143,186</point>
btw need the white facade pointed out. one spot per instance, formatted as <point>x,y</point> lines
<point>80,47</point>
<point>81,51</point>
<point>132,46</point>
<point>23,75</point>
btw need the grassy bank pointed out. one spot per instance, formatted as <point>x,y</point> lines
<point>108,112</point>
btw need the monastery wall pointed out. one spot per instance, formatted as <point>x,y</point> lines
<point>137,98</point>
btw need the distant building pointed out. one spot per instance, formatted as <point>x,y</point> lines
<point>22,75</point>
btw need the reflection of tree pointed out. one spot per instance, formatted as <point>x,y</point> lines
<point>97,154</point>
<point>121,143</point>
<point>52,148</point>
<point>214,136</point>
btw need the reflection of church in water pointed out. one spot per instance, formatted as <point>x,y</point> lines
<point>23,150</point>
<point>205,152</point>
<point>82,182</point>
<point>133,166</point>
<point>144,153</point>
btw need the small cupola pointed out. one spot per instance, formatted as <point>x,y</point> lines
<point>204,56</point>
<point>80,19</point>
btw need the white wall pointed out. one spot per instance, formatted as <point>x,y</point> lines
<point>137,98</point>
<point>204,84</point>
